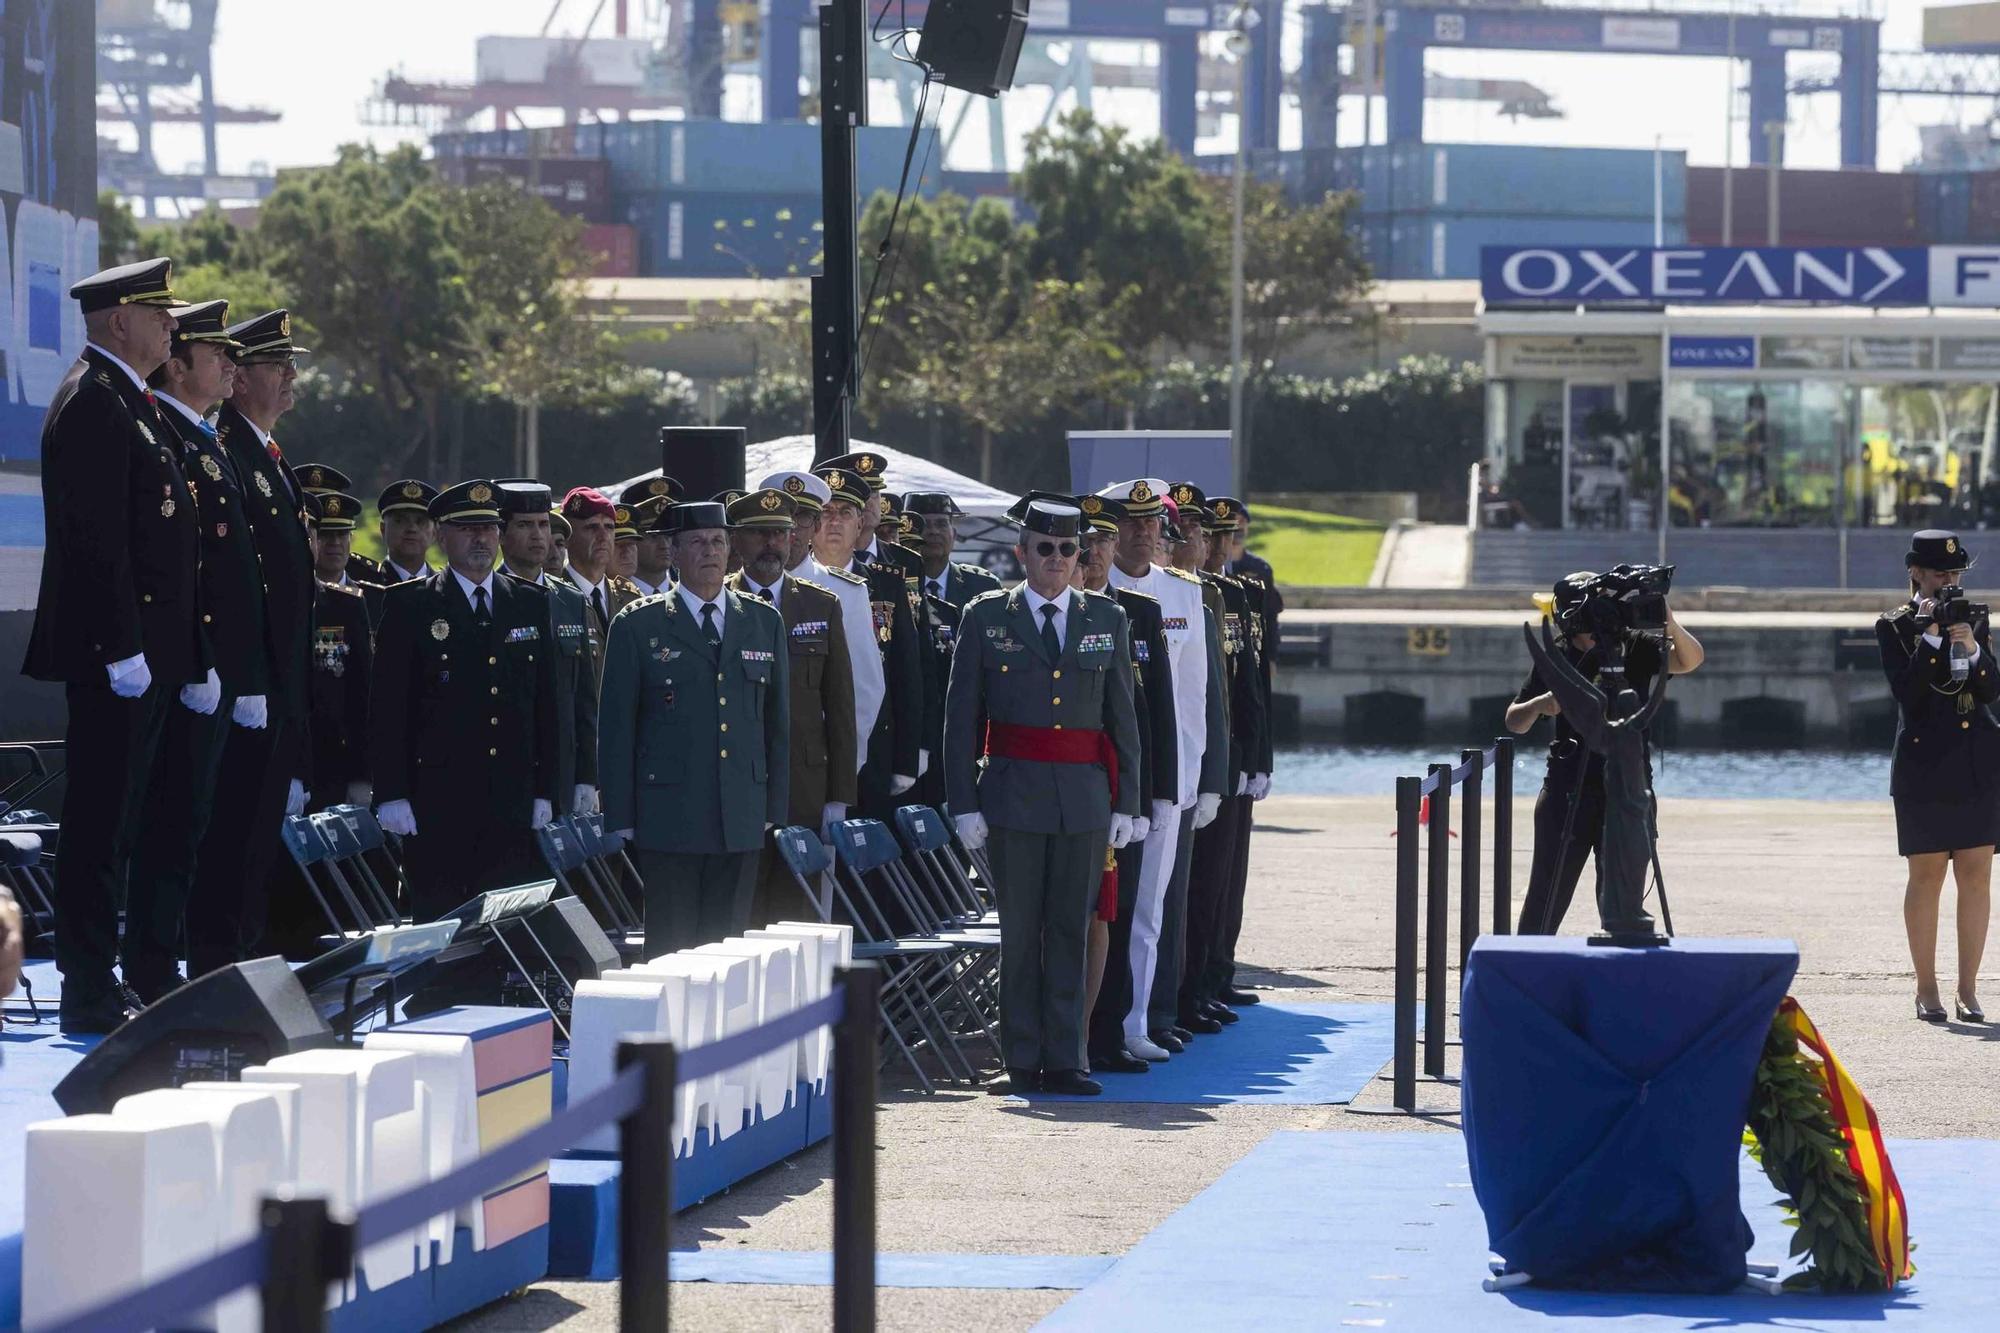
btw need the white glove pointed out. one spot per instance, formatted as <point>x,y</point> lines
<point>295,800</point>
<point>360,793</point>
<point>541,813</point>
<point>1260,786</point>
<point>1205,807</point>
<point>250,711</point>
<point>1163,814</point>
<point>396,817</point>
<point>923,762</point>
<point>832,813</point>
<point>1242,785</point>
<point>898,784</point>
<point>204,698</point>
<point>1121,830</point>
<point>584,801</point>
<point>1142,829</point>
<point>131,677</point>
<point>971,830</point>
<point>616,840</point>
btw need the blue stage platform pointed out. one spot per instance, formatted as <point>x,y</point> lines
<point>1328,1229</point>
<point>1299,1054</point>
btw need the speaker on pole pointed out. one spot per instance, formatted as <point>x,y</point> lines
<point>974,44</point>
<point>704,459</point>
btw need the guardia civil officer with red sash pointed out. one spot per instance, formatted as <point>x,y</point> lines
<point>1039,724</point>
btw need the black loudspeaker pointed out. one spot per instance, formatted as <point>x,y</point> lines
<point>706,460</point>
<point>974,44</point>
<point>574,939</point>
<point>213,1028</point>
<point>525,963</point>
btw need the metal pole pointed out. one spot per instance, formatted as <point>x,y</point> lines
<point>854,1063</point>
<point>1468,856</point>
<point>646,1188</point>
<point>1503,834</point>
<point>1774,134</point>
<point>1437,895</point>
<point>1666,435</point>
<point>1729,137</point>
<point>836,313</point>
<point>1408,797</point>
<point>1659,203</point>
<point>304,1250</point>
<point>1239,44</point>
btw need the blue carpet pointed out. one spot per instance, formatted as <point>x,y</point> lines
<point>814,1268</point>
<point>21,520</point>
<point>1304,1054</point>
<point>1319,1230</point>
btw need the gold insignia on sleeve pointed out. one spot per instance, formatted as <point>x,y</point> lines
<point>439,629</point>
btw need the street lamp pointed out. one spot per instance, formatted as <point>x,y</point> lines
<point>1238,44</point>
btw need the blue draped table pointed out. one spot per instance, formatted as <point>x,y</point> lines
<point>1604,1096</point>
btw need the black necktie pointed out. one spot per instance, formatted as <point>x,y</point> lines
<point>764,593</point>
<point>708,626</point>
<point>597,601</point>
<point>1049,639</point>
<point>479,613</point>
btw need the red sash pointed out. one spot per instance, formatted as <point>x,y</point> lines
<point>1055,745</point>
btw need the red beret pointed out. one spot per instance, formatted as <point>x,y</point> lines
<point>587,502</point>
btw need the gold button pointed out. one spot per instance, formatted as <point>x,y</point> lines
<point>1965,726</point>
<point>721,701</point>
<point>1056,700</point>
<point>725,754</point>
<point>492,752</point>
<point>492,661</point>
<point>1055,675</point>
<point>1003,670</point>
<point>1058,726</point>
<point>725,726</point>
<point>209,620</point>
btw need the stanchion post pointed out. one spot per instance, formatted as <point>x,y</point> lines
<point>646,1187</point>
<point>1468,856</point>
<point>1408,798</point>
<point>855,1059</point>
<point>1503,834</point>
<point>1437,908</point>
<point>304,1250</point>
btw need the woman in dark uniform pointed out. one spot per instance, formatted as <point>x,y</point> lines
<point>1945,772</point>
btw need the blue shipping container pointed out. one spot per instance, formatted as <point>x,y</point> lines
<point>709,234</point>
<point>1447,245</point>
<point>1516,181</point>
<point>737,157</point>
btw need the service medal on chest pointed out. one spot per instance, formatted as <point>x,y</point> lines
<point>211,467</point>
<point>146,431</point>
<point>1964,702</point>
<point>439,629</point>
<point>166,509</point>
<point>263,484</point>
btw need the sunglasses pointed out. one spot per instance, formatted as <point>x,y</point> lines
<point>1047,549</point>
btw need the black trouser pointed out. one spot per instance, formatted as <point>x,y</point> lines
<point>1550,886</point>
<point>226,910</point>
<point>108,755</point>
<point>695,898</point>
<point>1114,992</point>
<point>1223,964</point>
<point>1209,873</point>
<point>172,816</point>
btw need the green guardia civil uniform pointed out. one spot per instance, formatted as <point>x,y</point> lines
<point>1048,819</point>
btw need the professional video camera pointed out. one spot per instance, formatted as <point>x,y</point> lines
<point>1623,600</point>
<point>1950,607</point>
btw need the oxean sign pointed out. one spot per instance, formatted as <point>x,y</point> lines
<point>1571,275</point>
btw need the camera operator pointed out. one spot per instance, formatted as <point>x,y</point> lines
<point>1944,775</point>
<point>1569,812</point>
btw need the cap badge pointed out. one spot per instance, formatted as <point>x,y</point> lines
<point>1092,505</point>
<point>1183,495</point>
<point>1951,546</point>
<point>795,486</point>
<point>285,325</point>
<point>481,493</point>
<point>1222,509</point>
<point>332,506</point>
<point>836,482</point>
<point>1142,492</point>
<point>657,486</point>
<point>769,502</point>
<point>864,464</point>
<point>412,491</point>
<point>439,629</point>
<point>621,514</point>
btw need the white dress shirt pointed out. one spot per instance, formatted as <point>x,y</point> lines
<point>694,605</point>
<point>466,585</point>
<point>402,575</point>
<point>162,396</point>
<point>1035,604</point>
<point>755,589</point>
<point>138,380</point>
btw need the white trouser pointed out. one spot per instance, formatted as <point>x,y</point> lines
<point>1148,907</point>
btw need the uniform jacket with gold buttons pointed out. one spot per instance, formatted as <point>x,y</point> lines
<point>1947,742</point>
<point>694,740</point>
<point>232,577</point>
<point>272,499</point>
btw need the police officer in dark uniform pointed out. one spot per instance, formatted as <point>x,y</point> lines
<point>325,479</point>
<point>894,748</point>
<point>1945,773</point>
<point>403,512</point>
<point>118,620</point>
<point>265,772</point>
<point>189,384</point>
<point>462,732</point>
<point>1259,628</point>
<point>949,580</point>
<point>526,524</point>
<point>343,663</point>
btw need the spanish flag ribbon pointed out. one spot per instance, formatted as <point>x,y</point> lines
<point>1867,1153</point>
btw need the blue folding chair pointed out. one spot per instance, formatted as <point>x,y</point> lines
<point>352,837</point>
<point>306,841</point>
<point>930,848</point>
<point>566,846</point>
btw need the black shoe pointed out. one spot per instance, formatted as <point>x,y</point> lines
<point>88,1018</point>
<point>1929,1013</point>
<point>1120,1061</point>
<point>1024,1080</point>
<point>1200,1023</point>
<point>145,992</point>
<point>1239,998</point>
<point>130,998</point>
<point>1183,1031</point>
<point>1071,1083</point>
<point>1221,1013</point>
<point>1163,1038</point>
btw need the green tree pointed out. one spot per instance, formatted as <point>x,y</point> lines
<point>117,231</point>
